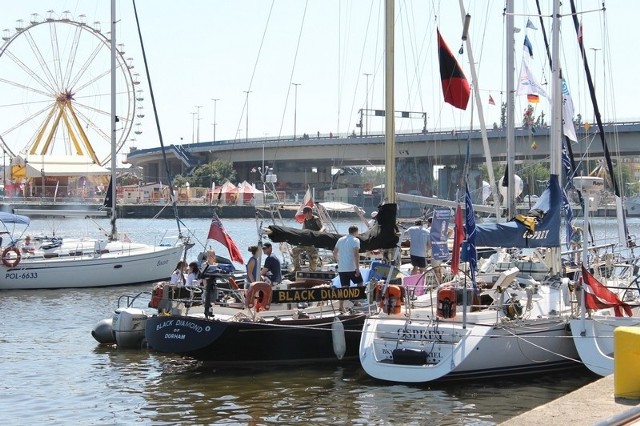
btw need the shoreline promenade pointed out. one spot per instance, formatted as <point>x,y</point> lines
<point>593,404</point>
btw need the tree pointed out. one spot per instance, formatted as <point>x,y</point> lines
<point>217,171</point>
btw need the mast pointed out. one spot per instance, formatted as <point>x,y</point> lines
<point>114,230</point>
<point>389,134</point>
<point>555,149</point>
<point>483,127</point>
<point>511,164</point>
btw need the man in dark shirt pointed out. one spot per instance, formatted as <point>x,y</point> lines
<point>271,268</point>
<point>312,223</point>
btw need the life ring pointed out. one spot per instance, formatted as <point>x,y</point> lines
<point>11,262</point>
<point>254,299</point>
<point>391,301</point>
<point>447,300</point>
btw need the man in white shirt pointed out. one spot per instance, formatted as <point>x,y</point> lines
<point>419,238</point>
<point>347,253</point>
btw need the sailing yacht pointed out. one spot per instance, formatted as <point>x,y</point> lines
<point>510,328</point>
<point>80,263</point>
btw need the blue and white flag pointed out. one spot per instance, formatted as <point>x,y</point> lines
<point>528,46</point>
<point>568,127</point>
<point>530,25</point>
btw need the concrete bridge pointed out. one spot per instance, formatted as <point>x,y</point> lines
<point>310,160</point>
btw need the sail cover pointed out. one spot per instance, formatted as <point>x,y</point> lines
<point>383,235</point>
<point>515,234</point>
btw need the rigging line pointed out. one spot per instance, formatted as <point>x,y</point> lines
<point>155,112</point>
<point>293,69</point>
<point>360,65</point>
<point>253,73</point>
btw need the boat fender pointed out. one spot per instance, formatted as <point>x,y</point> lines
<point>339,341</point>
<point>11,262</point>
<point>103,332</point>
<point>259,296</point>
<point>566,291</point>
<point>447,299</point>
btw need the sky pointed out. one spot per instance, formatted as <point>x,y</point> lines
<point>310,66</point>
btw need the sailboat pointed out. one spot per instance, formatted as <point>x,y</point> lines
<point>82,263</point>
<point>610,300</point>
<point>508,329</point>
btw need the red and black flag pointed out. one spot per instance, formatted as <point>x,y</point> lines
<point>455,86</point>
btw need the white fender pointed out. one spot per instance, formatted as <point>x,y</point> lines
<point>339,342</point>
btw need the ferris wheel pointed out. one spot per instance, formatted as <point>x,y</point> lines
<point>55,81</point>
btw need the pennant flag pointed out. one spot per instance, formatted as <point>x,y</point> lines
<point>528,46</point>
<point>307,201</point>
<point>505,177</point>
<point>458,237</point>
<point>568,128</point>
<point>217,232</point>
<point>491,101</point>
<point>533,98</point>
<point>527,83</point>
<point>470,227</point>
<point>455,86</point>
<point>598,296</point>
<point>530,25</point>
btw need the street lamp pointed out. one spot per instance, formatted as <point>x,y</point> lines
<point>247,117</point>
<point>295,108</point>
<point>215,105</point>
<point>193,127</point>
<point>366,107</point>
<point>198,112</point>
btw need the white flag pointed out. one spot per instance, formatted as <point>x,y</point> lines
<point>568,128</point>
<point>527,84</point>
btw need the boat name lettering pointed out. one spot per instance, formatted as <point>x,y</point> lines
<point>168,323</point>
<point>419,334</point>
<point>21,276</point>
<point>317,294</point>
<point>192,325</point>
<point>174,336</point>
<point>162,262</point>
<point>537,235</point>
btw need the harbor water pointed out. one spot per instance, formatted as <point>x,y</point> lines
<point>54,372</point>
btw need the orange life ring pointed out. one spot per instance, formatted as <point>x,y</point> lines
<point>447,300</point>
<point>11,262</point>
<point>391,301</point>
<point>254,299</point>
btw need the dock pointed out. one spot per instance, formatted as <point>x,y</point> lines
<point>593,404</point>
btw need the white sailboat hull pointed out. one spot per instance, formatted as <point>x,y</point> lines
<point>444,349</point>
<point>116,264</point>
<point>594,340</point>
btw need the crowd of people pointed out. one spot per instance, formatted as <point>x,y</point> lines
<point>264,266</point>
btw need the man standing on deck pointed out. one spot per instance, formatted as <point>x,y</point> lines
<point>312,223</point>
<point>347,253</point>
<point>419,238</point>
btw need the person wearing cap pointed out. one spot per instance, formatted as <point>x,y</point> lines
<point>418,237</point>
<point>312,223</point>
<point>271,269</point>
<point>372,221</point>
